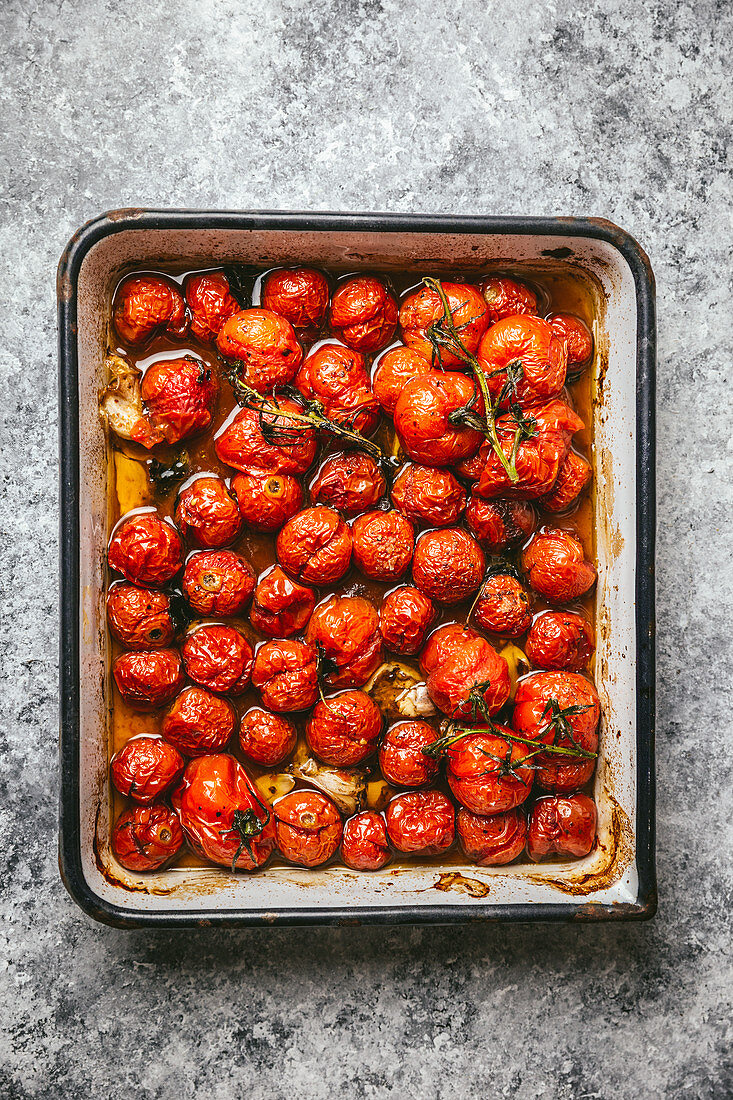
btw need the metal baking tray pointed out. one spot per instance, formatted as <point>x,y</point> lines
<point>617,880</point>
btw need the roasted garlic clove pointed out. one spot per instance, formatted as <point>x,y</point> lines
<point>518,663</point>
<point>378,794</point>
<point>273,785</point>
<point>121,404</point>
<point>345,788</point>
<point>400,692</point>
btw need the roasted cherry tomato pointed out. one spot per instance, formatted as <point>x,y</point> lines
<point>350,482</point>
<point>448,565</point>
<point>315,546</point>
<point>485,772</point>
<point>144,838</point>
<point>281,607</point>
<point>289,449</point>
<point>577,336</point>
<point>145,549</point>
<point>337,377</point>
<point>563,825</point>
<point>404,619</point>
<point>364,845</point>
<point>506,298</point>
<point>560,640</point>
<point>199,722</point>
<point>383,544</point>
<point>267,501</point>
<point>421,823</point>
<point>219,658</point>
<point>308,828</point>
<point>264,344</point>
<point>146,304</point>
<point>560,709</point>
<point>445,642</point>
<point>300,294</point>
<point>537,355</point>
<point>401,759</point>
<point>217,582</point>
<point>148,679</point>
<point>467,665</point>
<point>139,617</point>
<point>266,738</point>
<point>145,767</point>
<point>428,496</point>
<point>343,730</point>
<point>424,308</point>
<point>180,398</point>
<point>393,370</point>
<point>363,313</point>
<point>422,419</point>
<point>498,524</point>
<point>222,815</point>
<point>207,515</point>
<point>503,606</point>
<point>210,304</point>
<point>573,476</point>
<point>347,630</point>
<point>285,674</point>
<point>494,840</point>
<point>556,566</point>
<point>538,458</point>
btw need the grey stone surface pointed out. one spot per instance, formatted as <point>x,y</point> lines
<point>611,108</point>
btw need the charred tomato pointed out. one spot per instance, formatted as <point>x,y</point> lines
<point>498,524</point>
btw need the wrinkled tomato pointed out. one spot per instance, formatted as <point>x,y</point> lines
<point>337,377</point>
<point>265,347</point>
<point>299,294</point>
<point>383,544</point>
<point>350,482</point>
<point>445,642</point>
<point>577,336</point>
<point>219,658</point>
<point>498,524</point>
<point>503,606</point>
<point>145,838</point>
<point>308,828</point>
<point>146,304</point>
<point>180,397</point>
<point>217,582</point>
<point>347,629</point>
<point>424,308</point>
<point>401,759</point>
<point>556,565</point>
<point>421,823</point>
<point>393,370</point>
<point>537,355</point>
<point>560,640</point>
<point>363,313</point>
<point>138,617</point>
<point>566,826</point>
<point>494,840</point>
<point>149,678</point>
<point>210,304</point>
<point>364,845</point>
<point>145,767</point>
<point>343,730</point>
<point>485,772</point>
<point>506,297</point>
<point>432,497</point>
<point>267,501</point>
<point>199,722</point>
<point>206,514</point>
<point>422,419</point>
<point>560,709</point>
<point>573,476</point>
<point>467,665</point>
<point>448,565</point>
<point>145,549</point>
<point>280,606</point>
<point>266,738</point>
<point>286,676</point>
<point>404,619</point>
<point>315,546</point>
<point>289,448</point>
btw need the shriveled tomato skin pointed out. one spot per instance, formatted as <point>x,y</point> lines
<point>146,304</point>
<point>401,759</point>
<point>448,565</point>
<point>498,524</point>
<point>577,336</point>
<point>421,823</point>
<point>422,419</point>
<point>343,730</point>
<point>264,345</point>
<point>210,303</point>
<point>475,772</point>
<point>566,826</point>
<point>207,515</point>
<point>445,642</point>
<point>180,397</point>
<point>404,619</point>
<point>266,738</point>
<point>465,666</point>
<point>219,658</point>
<point>300,294</point>
<point>315,546</point>
<point>542,354</point>
<point>393,370</point>
<point>140,618</point>
<point>267,501</point>
<point>281,606</point>
<point>503,606</point>
<point>337,377</point>
<point>573,476</point>
<point>383,543</point>
<point>347,628</point>
<point>424,307</point>
<point>364,845</point>
<point>285,674</point>
<point>145,549</point>
<point>363,313</point>
<point>199,722</point>
<point>217,582</point>
<point>556,567</point>
<point>309,828</point>
<point>561,640</point>
<point>145,838</point>
<point>241,444</point>
<point>494,840</point>
<point>349,482</point>
<point>506,297</point>
<point>148,678</point>
<point>145,767</point>
<point>536,695</point>
<point>430,496</point>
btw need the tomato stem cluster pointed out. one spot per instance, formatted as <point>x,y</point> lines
<point>246,825</point>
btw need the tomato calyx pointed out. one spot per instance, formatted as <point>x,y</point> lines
<point>246,825</point>
<point>559,724</point>
<point>325,666</point>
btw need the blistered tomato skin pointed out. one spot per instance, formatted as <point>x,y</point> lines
<point>199,722</point>
<point>538,459</point>
<point>485,772</point>
<point>445,642</point>
<point>494,840</point>
<point>337,376</point>
<point>265,346</point>
<point>347,629</point>
<point>343,731</point>
<point>267,501</point>
<point>422,419</point>
<point>503,607</point>
<point>349,482</point>
<point>219,658</point>
<point>299,294</point>
<point>498,524</point>
<point>241,444</point>
<point>506,298</point>
<point>210,304</point>
<point>139,617</point>
<point>309,828</point>
<point>145,767</point>
<point>401,759</point>
<point>180,397</point>
<point>207,515</point>
<point>429,496</point>
<point>364,845</point>
<point>146,550</point>
<point>421,823</point>
<point>577,336</point>
<point>145,838</point>
<point>465,666</point>
<point>383,545</point>
<point>149,678</point>
<point>448,565</point>
<point>573,476</point>
<point>266,738</point>
<point>285,674</point>
<point>538,698</point>
<point>315,546</point>
<point>404,620</point>
<point>560,640</point>
<point>566,826</point>
<point>281,606</point>
<point>393,371</point>
<point>556,566</point>
<point>363,313</point>
<point>146,304</point>
<point>424,307</point>
<point>217,582</point>
<point>541,352</point>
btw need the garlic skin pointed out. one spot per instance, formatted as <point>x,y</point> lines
<point>121,405</point>
<point>400,692</point>
<point>345,788</point>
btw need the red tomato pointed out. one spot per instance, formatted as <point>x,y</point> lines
<point>468,665</point>
<point>347,628</point>
<point>144,838</point>
<point>573,476</point>
<point>146,304</point>
<point>383,544</point>
<point>424,307</point>
<point>267,501</point>
<point>404,619</point>
<point>422,419</point>
<point>485,772</point>
<point>393,370</point>
<point>315,546</point>
<point>199,722</point>
<point>350,482</point>
<point>363,313</point>
<point>241,444</point>
<point>308,827</point>
<point>145,549</point>
<point>180,398</point>
<point>532,342</point>
<point>563,825</point>
<point>421,823</point>
<point>266,738</point>
<point>299,294</point>
<point>401,759</point>
<point>492,841</point>
<point>364,846</point>
<point>506,298</point>
<point>285,674</point>
<point>210,304</point>
<point>428,496</point>
<point>503,607</point>
<point>337,377</point>
<point>344,729</point>
<point>217,582</point>
<point>577,336</point>
<point>280,607</point>
<point>556,566</point>
<point>539,698</point>
<point>219,658</point>
<point>145,767</point>
<point>444,643</point>
<point>265,345</point>
<point>222,815</point>
<point>560,640</point>
<point>148,679</point>
<point>207,515</point>
<point>448,565</point>
<point>138,617</point>
<point>498,524</point>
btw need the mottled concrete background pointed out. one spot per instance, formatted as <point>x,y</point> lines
<point>612,108</point>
